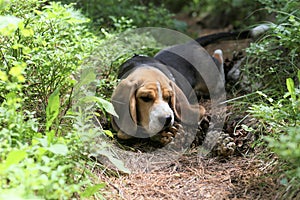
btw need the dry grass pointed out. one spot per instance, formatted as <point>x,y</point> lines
<point>192,177</point>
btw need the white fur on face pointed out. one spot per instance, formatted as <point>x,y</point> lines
<point>159,110</point>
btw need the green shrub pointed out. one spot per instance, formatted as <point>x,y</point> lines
<point>51,42</point>
<point>275,57</point>
<point>44,151</point>
<point>218,14</point>
<point>107,13</point>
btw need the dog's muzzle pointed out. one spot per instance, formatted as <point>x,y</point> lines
<point>161,117</point>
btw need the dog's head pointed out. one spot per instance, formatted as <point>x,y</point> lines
<point>146,100</point>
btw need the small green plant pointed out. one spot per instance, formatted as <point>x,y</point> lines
<point>282,117</point>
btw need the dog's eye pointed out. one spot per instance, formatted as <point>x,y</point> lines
<point>167,98</point>
<point>146,98</point>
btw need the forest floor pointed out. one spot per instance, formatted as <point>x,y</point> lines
<point>249,175</point>
<point>192,177</point>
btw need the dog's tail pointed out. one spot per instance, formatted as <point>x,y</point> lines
<point>235,35</point>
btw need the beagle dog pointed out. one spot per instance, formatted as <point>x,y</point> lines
<point>156,91</point>
<point>152,94</point>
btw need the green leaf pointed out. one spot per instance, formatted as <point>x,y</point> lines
<point>87,76</point>
<point>108,133</point>
<point>3,76</point>
<point>8,25</point>
<point>106,105</point>
<point>27,32</point>
<point>4,4</point>
<point>14,157</point>
<point>52,109</point>
<point>50,137</point>
<point>59,149</point>
<point>116,162</point>
<point>291,87</point>
<point>92,190</point>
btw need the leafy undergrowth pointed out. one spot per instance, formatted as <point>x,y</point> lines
<point>43,151</point>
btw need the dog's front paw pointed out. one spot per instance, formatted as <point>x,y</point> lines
<point>225,146</point>
<point>166,136</point>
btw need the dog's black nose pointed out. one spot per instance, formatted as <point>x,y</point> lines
<point>166,121</point>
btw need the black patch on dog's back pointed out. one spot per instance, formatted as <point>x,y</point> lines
<point>140,61</point>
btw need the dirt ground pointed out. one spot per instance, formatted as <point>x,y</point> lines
<point>242,176</point>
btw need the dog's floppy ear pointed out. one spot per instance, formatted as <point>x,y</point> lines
<point>124,102</point>
<point>182,108</point>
